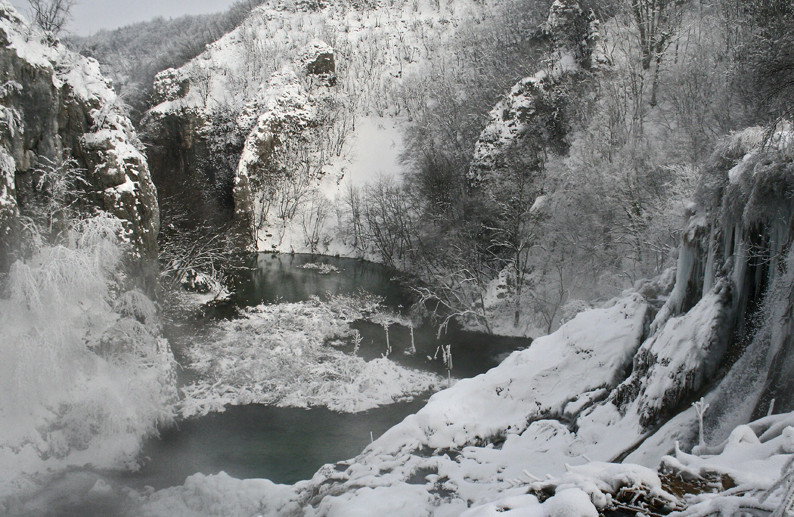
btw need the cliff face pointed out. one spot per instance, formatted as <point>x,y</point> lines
<point>243,159</point>
<point>55,106</point>
<point>538,111</point>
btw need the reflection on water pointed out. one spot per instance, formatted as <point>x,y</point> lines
<point>284,445</point>
<point>278,278</point>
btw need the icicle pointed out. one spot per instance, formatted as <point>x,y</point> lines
<point>700,408</point>
<point>356,341</point>
<point>388,343</point>
<point>710,271</point>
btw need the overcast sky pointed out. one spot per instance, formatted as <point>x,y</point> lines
<point>89,16</point>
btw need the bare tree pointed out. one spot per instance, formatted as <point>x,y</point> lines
<point>51,15</point>
<point>656,22</point>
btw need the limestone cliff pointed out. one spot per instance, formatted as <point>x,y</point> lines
<point>56,106</point>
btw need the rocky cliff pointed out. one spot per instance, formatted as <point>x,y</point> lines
<point>56,108</point>
<point>236,165</point>
<point>278,103</point>
<point>540,109</point>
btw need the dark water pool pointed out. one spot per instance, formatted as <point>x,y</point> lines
<point>284,445</point>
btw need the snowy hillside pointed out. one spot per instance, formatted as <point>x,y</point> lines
<point>616,178</point>
<point>212,109</point>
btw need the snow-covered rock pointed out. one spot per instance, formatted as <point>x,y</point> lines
<point>283,154</point>
<point>535,112</point>
<point>54,106</point>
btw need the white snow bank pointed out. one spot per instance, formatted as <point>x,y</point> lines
<point>587,353</point>
<point>220,495</point>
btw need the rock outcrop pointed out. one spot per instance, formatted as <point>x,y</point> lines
<point>56,106</point>
<point>538,111</point>
<point>230,160</point>
<point>283,153</point>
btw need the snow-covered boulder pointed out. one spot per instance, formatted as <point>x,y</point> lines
<point>169,85</point>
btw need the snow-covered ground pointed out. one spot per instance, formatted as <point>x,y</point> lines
<point>371,152</point>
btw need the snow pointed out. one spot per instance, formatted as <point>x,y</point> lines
<point>757,458</point>
<point>219,495</point>
<point>530,379</point>
<point>283,354</point>
<point>373,149</point>
<point>323,269</point>
<point>405,500</point>
<point>83,381</point>
<point>8,202</point>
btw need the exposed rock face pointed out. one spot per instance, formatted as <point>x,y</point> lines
<point>536,112</point>
<point>54,106</point>
<point>229,161</point>
<point>318,61</point>
<point>289,123</point>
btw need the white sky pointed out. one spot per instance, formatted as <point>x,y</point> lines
<point>89,16</point>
